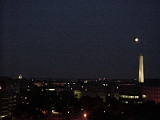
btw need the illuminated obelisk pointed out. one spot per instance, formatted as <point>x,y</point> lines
<point>141,69</point>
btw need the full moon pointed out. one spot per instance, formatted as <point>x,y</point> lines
<point>136,39</point>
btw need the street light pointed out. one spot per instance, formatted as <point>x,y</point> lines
<point>85,115</point>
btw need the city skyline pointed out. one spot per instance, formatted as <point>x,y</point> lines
<point>79,39</point>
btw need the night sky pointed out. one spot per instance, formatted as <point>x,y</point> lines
<point>80,38</point>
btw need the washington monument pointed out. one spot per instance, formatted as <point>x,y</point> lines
<point>141,69</point>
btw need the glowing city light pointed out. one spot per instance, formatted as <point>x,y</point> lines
<point>85,115</point>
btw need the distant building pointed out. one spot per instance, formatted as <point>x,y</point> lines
<point>151,93</point>
<point>130,93</point>
<point>9,90</point>
<point>20,76</point>
<point>86,88</point>
<point>26,87</point>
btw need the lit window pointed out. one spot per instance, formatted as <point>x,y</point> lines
<point>137,97</point>
<point>51,89</point>
<point>129,97</point>
<point>139,102</point>
<point>28,89</point>
<point>105,84</point>
<point>125,102</point>
<point>86,81</point>
<point>82,86</point>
